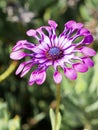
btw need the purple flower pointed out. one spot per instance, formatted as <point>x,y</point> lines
<point>67,51</point>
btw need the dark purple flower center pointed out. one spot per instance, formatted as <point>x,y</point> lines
<point>54,53</point>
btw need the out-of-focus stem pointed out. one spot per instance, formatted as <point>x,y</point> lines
<point>8,71</point>
<point>57,105</point>
<point>88,126</point>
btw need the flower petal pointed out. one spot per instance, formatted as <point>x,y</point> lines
<point>70,24</point>
<point>64,42</point>
<point>37,77</point>
<point>57,77</point>
<point>26,69</point>
<point>19,45</point>
<point>88,51</point>
<point>69,50</point>
<point>23,44</point>
<point>20,68</point>
<point>52,23</point>
<point>31,32</point>
<point>17,55</point>
<point>70,73</point>
<point>88,39</point>
<point>41,78</point>
<point>80,67</point>
<point>88,62</point>
<point>83,31</point>
<point>32,78</point>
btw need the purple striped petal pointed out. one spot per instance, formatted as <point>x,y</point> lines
<point>88,39</point>
<point>20,68</point>
<point>80,67</point>
<point>31,32</point>
<point>83,31</point>
<point>32,79</point>
<point>65,44</point>
<point>23,44</point>
<point>69,50</point>
<point>19,45</point>
<point>70,24</point>
<point>52,23</point>
<point>42,78</point>
<point>26,69</point>
<point>37,77</point>
<point>17,55</point>
<point>57,77</point>
<point>88,51</point>
<point>70,73</point>
<point>88,62</point>
<point>79,25</point>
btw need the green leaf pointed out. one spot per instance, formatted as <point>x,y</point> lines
<point>92,107</point>
<point>59,121</point>
<point>52,118</point>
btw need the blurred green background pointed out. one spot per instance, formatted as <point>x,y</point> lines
<point>24,107</point>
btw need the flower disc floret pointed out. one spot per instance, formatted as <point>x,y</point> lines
<point>68,50</point>
<point>54,53</point>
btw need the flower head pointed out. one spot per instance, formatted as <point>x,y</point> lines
<point>68,50</point>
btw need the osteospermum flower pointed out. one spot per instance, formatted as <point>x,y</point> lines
<point>68,51</point>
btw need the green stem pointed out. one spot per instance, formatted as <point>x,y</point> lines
<point>87,126</point>
<point>57,104</point>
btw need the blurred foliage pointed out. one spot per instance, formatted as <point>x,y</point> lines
<point>25,107</point>
<point>5,122</point>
